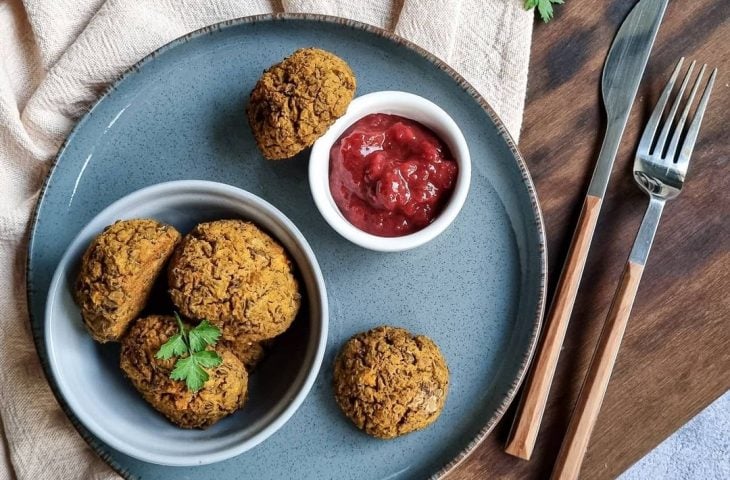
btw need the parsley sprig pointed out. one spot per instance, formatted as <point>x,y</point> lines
<point>189,345</point>
<point>544,7</point>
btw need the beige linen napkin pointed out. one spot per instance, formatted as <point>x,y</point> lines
<point>56,56</point>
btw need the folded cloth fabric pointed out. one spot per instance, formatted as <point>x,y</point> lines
<point>56,56</point>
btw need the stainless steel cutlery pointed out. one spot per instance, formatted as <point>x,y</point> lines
<point>660,169</point>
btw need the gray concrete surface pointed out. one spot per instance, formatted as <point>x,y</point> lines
<point>700,450</point>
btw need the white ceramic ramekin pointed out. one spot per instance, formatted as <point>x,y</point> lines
<point>405,105</point>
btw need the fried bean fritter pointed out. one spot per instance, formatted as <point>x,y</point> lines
<point>390,382</point>
<point>297,100</point>
<point>223,393</point>
<point>250,353</point>
<point>234,275</point>
<point>117,273</point>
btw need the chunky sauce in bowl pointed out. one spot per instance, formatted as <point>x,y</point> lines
<point>390,176</point>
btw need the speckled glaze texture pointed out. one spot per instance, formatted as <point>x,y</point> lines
<point>477,290</point>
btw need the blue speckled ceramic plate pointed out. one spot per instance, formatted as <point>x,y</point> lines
<point>477,290</point>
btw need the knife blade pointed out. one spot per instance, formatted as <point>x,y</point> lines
<point>622,73</point>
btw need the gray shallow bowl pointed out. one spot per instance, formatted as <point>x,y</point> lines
<point>88,374</point>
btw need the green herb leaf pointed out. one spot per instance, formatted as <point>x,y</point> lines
<point>188,369</point>
<point>192,344</point>
<point>544,7</point>
<point>203,335</point>
<point>207,358</point>
<point>181,326</point>
<point>174,347</point>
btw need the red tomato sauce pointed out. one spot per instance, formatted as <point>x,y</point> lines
<point>390,176</point>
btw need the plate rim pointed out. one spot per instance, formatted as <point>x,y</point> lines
<point>507,399</point>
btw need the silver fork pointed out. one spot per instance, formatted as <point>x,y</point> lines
<point>660,169</point>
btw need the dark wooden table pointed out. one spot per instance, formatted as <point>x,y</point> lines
<point>675,358</point>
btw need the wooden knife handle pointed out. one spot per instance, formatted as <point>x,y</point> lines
<point>591,396</point>
<point>522,438</point>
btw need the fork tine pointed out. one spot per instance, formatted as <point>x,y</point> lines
<point>694,128</point>
<point>661,143</point>
<point>672,151</point>
<point>656,115</point>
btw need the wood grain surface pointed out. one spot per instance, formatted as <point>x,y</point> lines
<point>675,357</point>
<point>536,390</point>
<point>584,417</point>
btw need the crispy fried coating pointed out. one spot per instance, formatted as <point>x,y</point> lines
<point>117,273</point>
<point>297,100</point>
<point>237,277</point>
<point>250,353</point>
<point>390,382</point>
<point>223,393</point>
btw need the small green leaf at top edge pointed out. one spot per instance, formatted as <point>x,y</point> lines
<point>544,7</point>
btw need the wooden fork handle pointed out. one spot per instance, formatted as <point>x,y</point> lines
<point>591,396</point>
<point>522,438</point>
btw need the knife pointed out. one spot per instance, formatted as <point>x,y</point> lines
<point>622,74</point>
